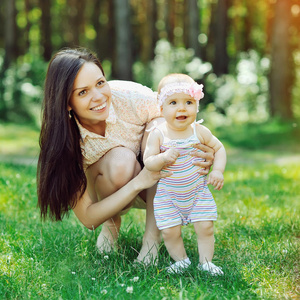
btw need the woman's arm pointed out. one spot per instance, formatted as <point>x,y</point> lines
<point>92,214</point>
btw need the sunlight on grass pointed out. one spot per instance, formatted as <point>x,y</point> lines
<point>18,140</point>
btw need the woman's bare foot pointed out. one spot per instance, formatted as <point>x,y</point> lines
<point>107,239</point>
<point>149,252</point>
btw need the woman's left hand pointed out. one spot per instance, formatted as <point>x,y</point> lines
<point>207,154</point>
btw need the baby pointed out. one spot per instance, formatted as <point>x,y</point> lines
<point>184,197</point>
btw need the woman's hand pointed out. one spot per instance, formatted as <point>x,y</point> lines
<point>207,154</point>
<point>148,178</point>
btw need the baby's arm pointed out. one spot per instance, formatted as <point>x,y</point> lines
<point>153,159</point>
<point>215,177</point>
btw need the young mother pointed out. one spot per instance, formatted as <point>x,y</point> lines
<point>92,135</point>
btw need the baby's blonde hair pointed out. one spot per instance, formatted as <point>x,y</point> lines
<point>174,78</point>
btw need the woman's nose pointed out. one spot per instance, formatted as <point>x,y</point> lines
<point>97,94</point>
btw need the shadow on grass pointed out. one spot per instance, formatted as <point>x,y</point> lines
<point>257,136</point>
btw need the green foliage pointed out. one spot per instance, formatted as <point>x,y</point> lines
<point>21,86</point>
<point>170,59</point>
<point>243,96</point>
<point>230,99</point>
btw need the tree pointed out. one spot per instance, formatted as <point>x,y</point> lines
<point>281,76</point>
<point>221,59</point>
<point>10,46</point>
<point>123,63</point>
<point>46,31</point>
<point>193,26</point>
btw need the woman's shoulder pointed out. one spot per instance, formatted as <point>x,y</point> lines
<point>129,87</point>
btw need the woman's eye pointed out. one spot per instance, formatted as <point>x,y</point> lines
<point>100,82</point>
<point>82,92</point>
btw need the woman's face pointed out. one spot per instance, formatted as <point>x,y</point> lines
<point>91,96</point>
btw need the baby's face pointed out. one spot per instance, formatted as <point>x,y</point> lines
<point>180,110</point>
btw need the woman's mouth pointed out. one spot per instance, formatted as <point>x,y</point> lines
<point>97,108</point>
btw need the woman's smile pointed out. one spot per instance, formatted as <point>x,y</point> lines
<point>99,107</point>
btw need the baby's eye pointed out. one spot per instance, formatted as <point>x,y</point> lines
<point>189,102</point>
<point>83,92</point>
<point>173,102</point>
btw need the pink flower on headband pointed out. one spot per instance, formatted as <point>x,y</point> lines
<point>196,91</point>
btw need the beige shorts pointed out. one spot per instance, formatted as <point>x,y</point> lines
<point>138,203</point>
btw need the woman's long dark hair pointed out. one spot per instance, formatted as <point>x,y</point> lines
<point>60,176</point>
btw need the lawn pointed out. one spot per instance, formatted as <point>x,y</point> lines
<point>257,233</point>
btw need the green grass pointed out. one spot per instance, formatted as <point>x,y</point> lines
<point>257,240</point>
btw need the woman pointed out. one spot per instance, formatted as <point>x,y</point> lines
<point>91,136</point>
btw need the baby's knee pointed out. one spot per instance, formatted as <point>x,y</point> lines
<point>205,228</point>
<point>171,233</point>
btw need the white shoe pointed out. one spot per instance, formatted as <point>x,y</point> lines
<point>211,268</point>
<point>179,266</point>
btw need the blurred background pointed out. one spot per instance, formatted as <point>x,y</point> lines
<point>245,52</point>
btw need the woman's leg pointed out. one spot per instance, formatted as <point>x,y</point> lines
<point>116,168</point>
<point>152,236</point>
<point>205,240</point>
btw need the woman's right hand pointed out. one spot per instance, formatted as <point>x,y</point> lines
<point>148,178</point>
<point>207,154</point>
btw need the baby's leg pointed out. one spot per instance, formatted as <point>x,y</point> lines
<point>106,176</point>
<point>205,240</point>
<point>174,242</point>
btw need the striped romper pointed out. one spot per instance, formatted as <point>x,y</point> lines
<point>183,197</point>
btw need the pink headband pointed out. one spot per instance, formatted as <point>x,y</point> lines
<point>194,90</point>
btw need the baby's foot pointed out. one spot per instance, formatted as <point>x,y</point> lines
<point>211,268</point>
<point>179,266</point>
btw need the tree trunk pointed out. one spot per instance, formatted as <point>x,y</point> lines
<point>281,76</point>
<point>76,19</point>
<point>193,26</point>
<point>10,34</point>
<point>123,63</point>
<point>46,31</point>
<point>10,47</point>
<point>221,59</point>
<point>147,35</point>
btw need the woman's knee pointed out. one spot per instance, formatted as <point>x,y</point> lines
<point>121,167</point>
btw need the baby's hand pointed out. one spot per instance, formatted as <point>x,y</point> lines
<point>216,178</point>
<point>170,156</point>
